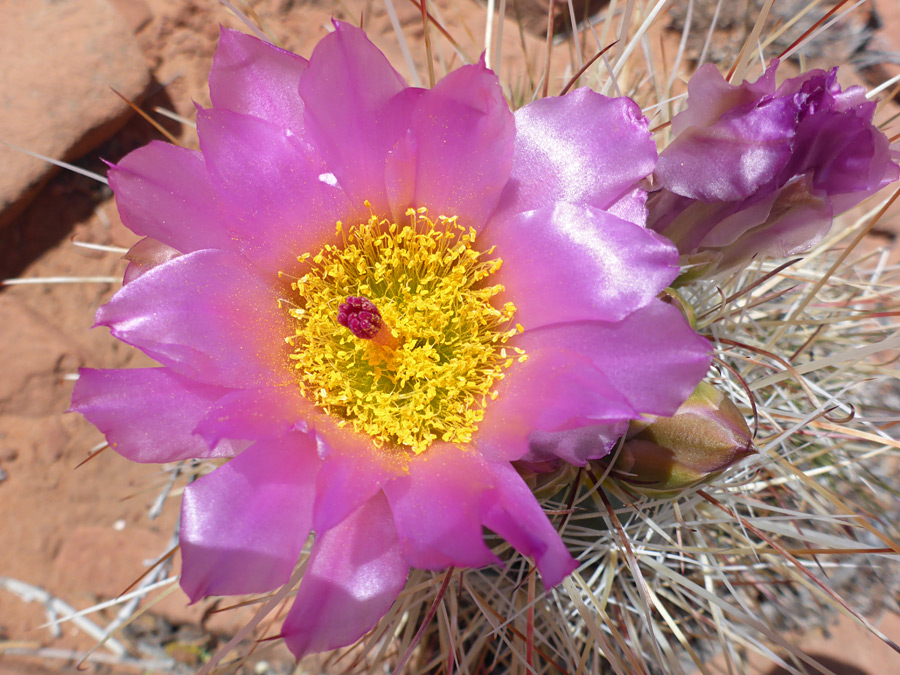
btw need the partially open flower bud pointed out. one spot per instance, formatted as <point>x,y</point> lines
<point>760,170</point>
<point>663,456</point>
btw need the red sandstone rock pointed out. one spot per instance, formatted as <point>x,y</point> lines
<point>60,58</point>
<point>137,13</point>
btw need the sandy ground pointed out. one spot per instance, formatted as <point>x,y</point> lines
<point>83,534</point>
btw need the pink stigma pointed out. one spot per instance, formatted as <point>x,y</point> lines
<point>361,316</point>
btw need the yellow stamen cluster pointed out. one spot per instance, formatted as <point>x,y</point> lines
<point>428,281</point>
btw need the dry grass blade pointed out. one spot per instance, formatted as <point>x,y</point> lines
<point>802,568</point>
<point>551,12</point>
<point>429,56</point>
<point>428,617</point>
<point>814,291</point>
<point>739,69</point>
<point>443,31</point>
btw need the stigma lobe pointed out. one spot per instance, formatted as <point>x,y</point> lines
<point>360,316</point>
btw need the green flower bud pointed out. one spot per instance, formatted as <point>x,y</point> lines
<point>673,297</point>
<point>663,456</point>
<point>698,265</point>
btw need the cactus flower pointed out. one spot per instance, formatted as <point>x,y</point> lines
<point>368,297</point>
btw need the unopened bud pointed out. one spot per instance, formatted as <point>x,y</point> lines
<point>663,456</point>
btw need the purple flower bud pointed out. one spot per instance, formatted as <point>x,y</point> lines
<point>759,171</point>
<point>662,456</point>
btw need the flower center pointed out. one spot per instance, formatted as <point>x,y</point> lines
<point>396,332</point>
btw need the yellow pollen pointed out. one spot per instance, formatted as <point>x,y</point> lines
<point>431,286</point>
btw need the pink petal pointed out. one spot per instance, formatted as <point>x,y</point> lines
<point>787,232</point>
<point>574,446</point>
<point>354,574</point>
<point>568,262</point>
<point>715,96</point>
<point>283,201</point>
<point>148,414</point>
<point>207,316</point>
<point>163,191</point>
<point>252,77</point>
<point>353,471</point>
<point>437,509</point>
<point>512,512</point>
<point>243,526</point>
<point>583,148</point>
<point>255,414</point>
<point>400,169</point>
<point>732,159</point>
<point>632,207</point>
<point>463,136</point>
<point>554,389</point>
<point>653,357</point>
<point>346,90</point>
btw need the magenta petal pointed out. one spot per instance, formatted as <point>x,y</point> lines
<point>554,389</point>
<point>400,174</point>
<point>354,574</point>
<point>575,446</point>
<point>437,509</point>
<point>148,414</point>
<point>848,158</point>
<point>734,157</point>
<point>631,207</point>
<point>464,133</point>
<point>512,511</point>
<point>714,96</point>
<point>207,316</point>
<point>653,360</point>
<point>730,223</point>
<point>163,191</point>
<point>252,77</point>
<point>582,147</point>
<point>255,414</point>
<point>244,525</point>
<point>571,263</point>
<point>346,90</point>
<point>282,201</point>
<point>653,357</point>
<point>786,232</point>
<point>352,472</point>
